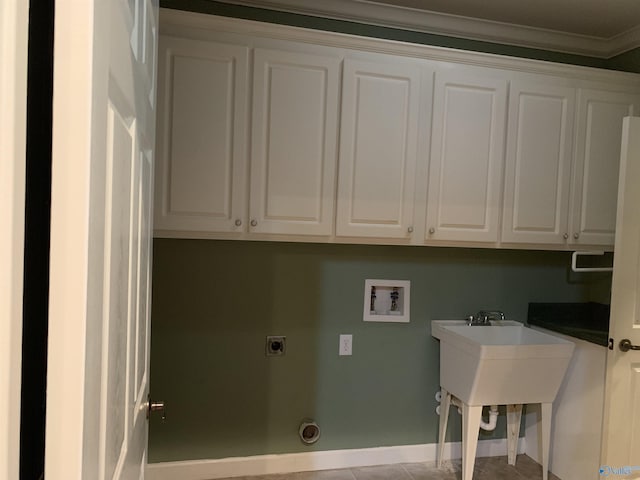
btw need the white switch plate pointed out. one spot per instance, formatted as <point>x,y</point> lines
<point>345,345</point>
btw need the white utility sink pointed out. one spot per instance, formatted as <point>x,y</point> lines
<point>499,364</point>
<point>504,363</point>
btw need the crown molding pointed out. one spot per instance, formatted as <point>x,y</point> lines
<point>199,26</point>
<point>372,13</point>
<point>624,42</point>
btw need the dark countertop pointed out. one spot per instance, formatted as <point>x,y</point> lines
<point>586,321</point>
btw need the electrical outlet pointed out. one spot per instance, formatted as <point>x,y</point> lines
<point>275,345</point>
<point>345,345</point>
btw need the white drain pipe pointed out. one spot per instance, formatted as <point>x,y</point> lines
<point>493,419</point>
<point>493,415</point>
<point>456,403</point>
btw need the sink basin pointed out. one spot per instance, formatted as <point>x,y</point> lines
<point>504,363</point>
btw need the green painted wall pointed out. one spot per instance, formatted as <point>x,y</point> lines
<point>628,61</point>
<point>215,301</point>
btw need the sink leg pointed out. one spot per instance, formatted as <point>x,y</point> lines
<point>471,416</point>
<point>546,438</point>
<point>444,419</point>
<point>514,413</point>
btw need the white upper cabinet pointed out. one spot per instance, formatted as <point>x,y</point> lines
<point>467,155</point>
<point>294,137</point>
<point>201,137</point>
<point>595,184</point>
<point>274,133</point>
<point>538,162</point>
<point>378,148</point>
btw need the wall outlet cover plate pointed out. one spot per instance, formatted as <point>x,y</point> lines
<point>275,345</point>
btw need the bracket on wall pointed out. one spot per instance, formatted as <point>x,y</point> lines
<point>574,262</point>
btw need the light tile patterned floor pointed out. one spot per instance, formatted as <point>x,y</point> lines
<point>488,468</point>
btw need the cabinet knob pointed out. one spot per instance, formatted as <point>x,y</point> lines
<point>432,231</point>
<point>238,222</point>
<point>576,236</point>
<point>254,222</point>
<point>410,229</point>
<point>565,236</point>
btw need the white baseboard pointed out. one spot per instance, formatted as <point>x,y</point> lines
<point>309,461</point>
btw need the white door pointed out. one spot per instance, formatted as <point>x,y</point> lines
<point>294,142</point>
<point>103,137</point>
<point>467,152</point>
<point>378,148</point>
<point>14,26</point>
<point>621,427</point>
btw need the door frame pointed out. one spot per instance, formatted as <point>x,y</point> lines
<point>67,401</point>
<point>14,30</point>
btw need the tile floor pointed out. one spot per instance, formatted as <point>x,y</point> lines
<point>487,468</point>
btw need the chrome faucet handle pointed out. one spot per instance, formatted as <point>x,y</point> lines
<point>485,316</point>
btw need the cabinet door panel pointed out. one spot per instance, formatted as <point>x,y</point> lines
<point>539,149</point>
<point>378,149</point>
<point>200,183</point>
<point>466,158</point>
<point>295,114</point>
<point>595,191</point>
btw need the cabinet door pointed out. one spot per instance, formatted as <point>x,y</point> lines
<point>538,163</point>
<point>201,138</point>
<point>467,153</point>
<point>295,129</point>
<point>378,145</point>
<point>595,180</point>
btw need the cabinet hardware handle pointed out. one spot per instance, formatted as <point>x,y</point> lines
<point>626,345</point>
<point>410,229</point>
<point>576,236</point>
<point>565,236</point>
<point>238,222</point>
<point>432,231</point>
<point>254,222</point>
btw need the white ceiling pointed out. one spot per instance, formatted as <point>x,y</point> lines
<point>601,28</point>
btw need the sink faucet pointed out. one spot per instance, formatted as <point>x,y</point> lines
<point>484,317</point>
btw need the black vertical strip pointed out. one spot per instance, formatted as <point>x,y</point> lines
<point>37,228</point>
